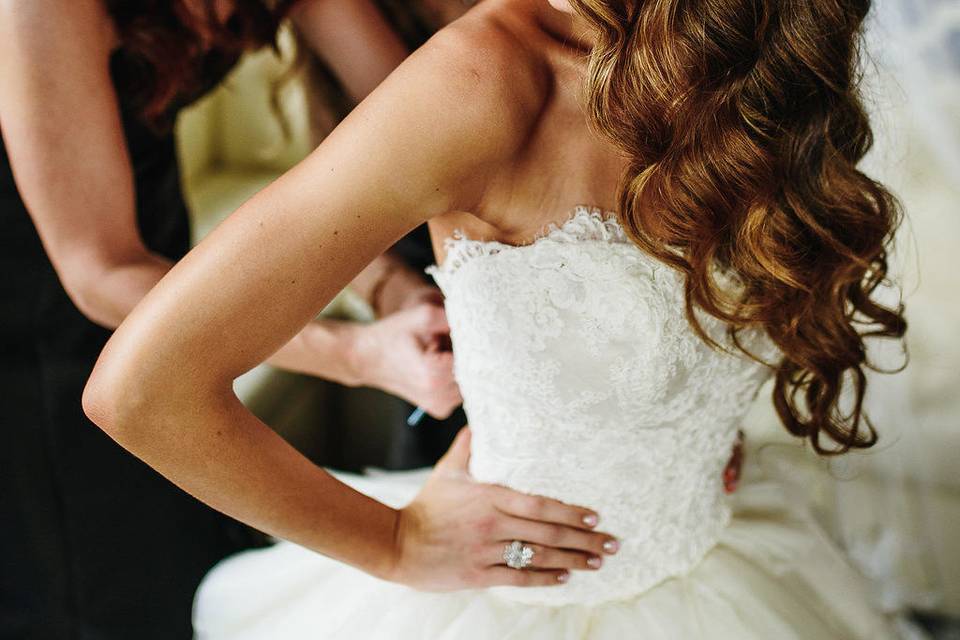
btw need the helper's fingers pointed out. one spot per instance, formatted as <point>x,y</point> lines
<point>430,319</point>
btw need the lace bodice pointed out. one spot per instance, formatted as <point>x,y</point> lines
<point>583,381</point>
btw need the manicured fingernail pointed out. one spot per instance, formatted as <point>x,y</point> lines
<point>563,577</point>
<point>595,561</point>
<point>611,546</point>
<point>590,520</point>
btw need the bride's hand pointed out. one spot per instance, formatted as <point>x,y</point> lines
<point>453,534</point>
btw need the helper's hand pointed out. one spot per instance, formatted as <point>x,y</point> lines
<point>453,534</point>
<point>407,353</point>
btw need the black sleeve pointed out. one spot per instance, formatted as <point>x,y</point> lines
<point>415,249</point>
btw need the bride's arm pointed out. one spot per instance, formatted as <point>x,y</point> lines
<point>424,143</point>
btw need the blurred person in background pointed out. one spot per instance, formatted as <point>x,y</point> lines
<point>94,544</point>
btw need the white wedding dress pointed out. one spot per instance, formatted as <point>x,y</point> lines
<point>582,381</point>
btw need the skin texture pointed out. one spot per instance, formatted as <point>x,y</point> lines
<point>471,122</point>
<point>59,105</point>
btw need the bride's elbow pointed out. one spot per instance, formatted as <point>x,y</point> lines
<point>116,403</point>
<point>102,404</point>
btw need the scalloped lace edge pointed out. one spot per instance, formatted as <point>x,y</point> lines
<point>586,223</point>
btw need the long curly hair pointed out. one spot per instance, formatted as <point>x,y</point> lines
<point>171,40</point>
<point>743,124</point>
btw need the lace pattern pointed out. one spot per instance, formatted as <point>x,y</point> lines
<point>585,224</point>
<point>583,381</point>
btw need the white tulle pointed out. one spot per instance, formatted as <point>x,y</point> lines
<point>583,381</point>
<point>772,575</point>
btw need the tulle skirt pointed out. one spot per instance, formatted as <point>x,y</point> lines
<point>773,575</point>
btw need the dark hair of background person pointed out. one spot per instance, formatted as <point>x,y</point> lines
<point>168,46</point>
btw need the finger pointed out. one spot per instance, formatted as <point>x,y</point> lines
<point>458,454</point>
<point>441,393</point>
<point>440,396</point>
<point>559,536</point>
<point>549,558</point>
<point>498,575</point>
<point>452,395</point>
<point>425,321</point>
<point>431,319</point>
<point>436,343</point>
<point>533,507</point>
<point>433,296</point>
<point>439,365</point>
<point>435,369</point>
<point>442,409</point>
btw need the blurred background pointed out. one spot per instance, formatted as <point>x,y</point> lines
<point>896,508</point>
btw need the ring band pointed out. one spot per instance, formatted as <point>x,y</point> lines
<point>517,555</point>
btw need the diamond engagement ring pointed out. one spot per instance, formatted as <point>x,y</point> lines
<point>517,555</point>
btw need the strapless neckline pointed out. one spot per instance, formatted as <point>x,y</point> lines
<point>585,223</point>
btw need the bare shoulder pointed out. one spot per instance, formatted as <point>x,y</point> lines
<point>480,68</point>
<point>460,108</point>
<point>487,49</point>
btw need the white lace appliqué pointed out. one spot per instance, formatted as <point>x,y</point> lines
<point>583,381</point>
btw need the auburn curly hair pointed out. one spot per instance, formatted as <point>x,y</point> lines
<point>171,39</point>
<point>743,124</point>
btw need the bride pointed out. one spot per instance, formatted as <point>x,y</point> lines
<point>641,212</point>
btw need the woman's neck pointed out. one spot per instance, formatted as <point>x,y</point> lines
<point>569,29</point>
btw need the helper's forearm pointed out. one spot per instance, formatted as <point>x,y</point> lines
<point>353,38</point>
<point>108,295</point>
<point>385,283</point>
<point>325,349</point>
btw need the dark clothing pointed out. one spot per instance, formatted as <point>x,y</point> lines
<point>415,249</point>
<point>422,445</point>
<point>94,544</point>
